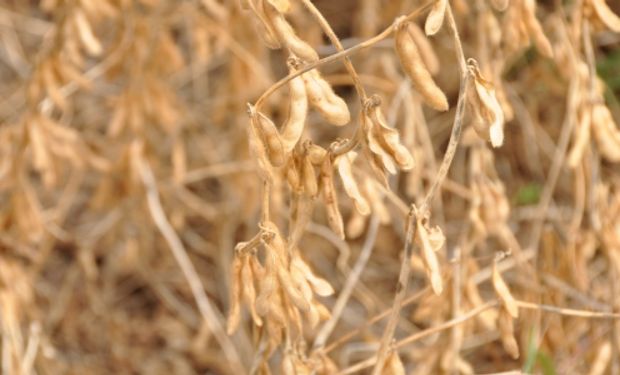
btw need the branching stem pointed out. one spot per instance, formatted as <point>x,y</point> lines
<point>403,279</point>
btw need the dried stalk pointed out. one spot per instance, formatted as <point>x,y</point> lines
<point>419,335</point>
<point>401,289</point>
<point>212,317</point>
<point>337,56</point>
<point>347,289</point>
<point>357,82</point>
<point>403,279</point>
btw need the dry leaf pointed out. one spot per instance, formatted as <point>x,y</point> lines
<point>487,110</point>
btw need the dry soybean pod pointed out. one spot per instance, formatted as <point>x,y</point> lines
<point>268,136</point>
<point>334,217</point>
<point>234,315</point>
<point>249,291</point>
<point>295,295</point>
<point>315,152</point>
<point>268,284</point>
<point>298,110</point>
<point>264,27</point>
<point>426,49</point>
<point>606,133</point>
<point>308,177</point>
<point>604,13</point>
<point>319,285</point>
<point>390,139</point>
<point>435,17</point>
<point>287,35</point>
<point>412,62</point>
<point>582,137</point>
<point>322,97</point>
<point>350,185</point>
<point>431,263</point>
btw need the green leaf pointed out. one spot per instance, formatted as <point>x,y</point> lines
<point>546,363</point>
<point>528,194</point>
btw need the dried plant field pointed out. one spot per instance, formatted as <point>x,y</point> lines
<point>309,187</point>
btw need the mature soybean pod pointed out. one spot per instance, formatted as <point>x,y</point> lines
<point>298,110</point>
<point>268,284</point>
<point>426,49</point>
<point>270,138</point>
<point>334,217</point>
<point>435,17</point>
<point>321,96</point>
<point>295,295</point>
<point>308,177</point>
<point>234,315</point>
<point>415,68</point>
<point>287,35</point>
<point>606,15</point>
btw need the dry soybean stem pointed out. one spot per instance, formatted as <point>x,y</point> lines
<point>403,279</point>
<point>218,170</point>
<point>419,335</point>
<point>352,279</point>
<point>336,42</point>
<point>474,312</point>
<point>401,289</point>
<point>337,56</point>
<point>344,338</point>
<point>211,316</point>
<point>357,82</point>
<point>557,164</point>
<point>568,312</point>
<point>455,342</point>
<point>458,117</point>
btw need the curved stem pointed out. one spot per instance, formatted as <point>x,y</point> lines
<point>337,56</point>
<point>347,289</point>
<point>455,136</point>
<point>403,279</point>
<point>336,42</point>
<point>401,289</point>
<point>419,335</point>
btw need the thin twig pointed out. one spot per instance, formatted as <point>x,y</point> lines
<point>455,136</point>
<point>403,279</point>
<point>357,82</point>
<point>337,56</point>
<point>218,170</point>
<point>209,313</point>
<point>419,335</point>
<point>474,312</point>
<point>344,338</point>
<point>559,155</point>
<point>556,166</point>
<point>455,338</point>
<point>401,290</point>
<point>347,289</point>
<point>336,42</point>
<point>568,312</point>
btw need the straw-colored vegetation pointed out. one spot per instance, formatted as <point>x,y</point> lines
<point>309,187</point>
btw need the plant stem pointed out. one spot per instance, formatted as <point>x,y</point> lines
<point>337,56</point>
<point>357,82</point>
<point>419,335</point>
<point>347,289</point>
<point>209,313</point>
<point>455,136</point>
<point>401,289</point>
<point>403,279</point>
